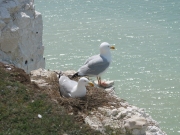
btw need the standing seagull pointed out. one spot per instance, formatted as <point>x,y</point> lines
<point>70,88</point>
<point>97,64</point>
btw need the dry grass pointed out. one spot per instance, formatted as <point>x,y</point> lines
<point>95,97</point>
<point>22,101</point>
<point>18,114</point>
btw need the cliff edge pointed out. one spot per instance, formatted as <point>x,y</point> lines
<point>21,35</point>
<point>101,109</point>
<point>21,45</point>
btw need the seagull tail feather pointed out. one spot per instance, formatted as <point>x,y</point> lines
<point>75,75</point>
<point>60,74</point>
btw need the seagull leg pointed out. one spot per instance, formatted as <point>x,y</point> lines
<point>102,84</point>
<point>99,80</point>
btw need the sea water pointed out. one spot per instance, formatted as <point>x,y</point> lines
<point>146,34</point>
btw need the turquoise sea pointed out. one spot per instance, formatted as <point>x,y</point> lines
<point>146,34</point>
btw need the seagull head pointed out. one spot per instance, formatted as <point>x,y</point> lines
<point>105,48</point>
<point>84,81</point>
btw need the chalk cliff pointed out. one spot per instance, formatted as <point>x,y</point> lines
<point>101,109</point>
<point>21,34</point>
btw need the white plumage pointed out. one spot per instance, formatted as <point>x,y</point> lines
<point>70,88</point>
<point>97,64</point>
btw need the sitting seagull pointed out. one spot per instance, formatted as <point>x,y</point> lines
<point>97,64</point>
<point>70,88</point>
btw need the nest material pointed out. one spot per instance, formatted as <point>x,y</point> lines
<point>95,97</point>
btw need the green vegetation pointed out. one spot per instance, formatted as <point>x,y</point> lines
<point>20,104</point>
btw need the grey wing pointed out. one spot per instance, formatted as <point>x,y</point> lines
<point>90,58</point>
<point>66,86</point>
<point>95,66</point>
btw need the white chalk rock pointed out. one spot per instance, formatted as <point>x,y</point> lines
<point>153,128</point>
<point>4,14</point>
<point>136,125</point>
<point>138,132</point>
<point>114,112</point>
<point>2,25</point>
<point>11,6</point>
<point>27,6</point>
<point>119,116</point>
<point>94,123</point>
<point>21,35</point>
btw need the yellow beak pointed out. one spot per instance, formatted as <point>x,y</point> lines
<point>91,84</point>
<point>112,47</point>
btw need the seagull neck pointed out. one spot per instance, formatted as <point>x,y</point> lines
<point>79,89</point>
<point>107,56</point>
<point>80,86</point>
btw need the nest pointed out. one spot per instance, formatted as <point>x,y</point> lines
<point>95,97</point>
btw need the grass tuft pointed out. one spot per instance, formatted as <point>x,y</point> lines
<point>21,103</point>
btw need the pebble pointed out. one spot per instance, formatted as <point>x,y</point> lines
<point>39,116</point>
